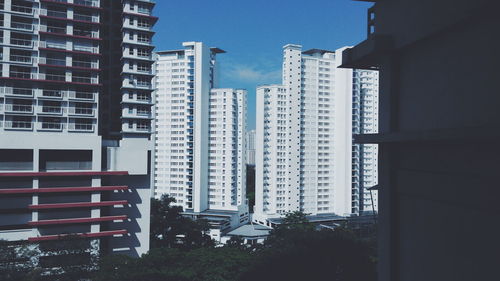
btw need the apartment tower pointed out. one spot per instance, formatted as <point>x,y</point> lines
<point>304,137</point>
<point>200,144</point>
<point>75,116</point>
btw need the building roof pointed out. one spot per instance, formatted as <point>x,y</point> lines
<point>313,219</point>
<point>217,50</point>
<point>180,51</point>
<point>250,230</point>
<point>314,51</point>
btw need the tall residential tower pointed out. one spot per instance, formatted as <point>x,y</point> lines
<point>200,144</point>
<point>75,121</point>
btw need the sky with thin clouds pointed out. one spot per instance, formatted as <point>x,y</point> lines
<point>253,33</point>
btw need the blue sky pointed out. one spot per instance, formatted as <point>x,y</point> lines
<point>253,33</point>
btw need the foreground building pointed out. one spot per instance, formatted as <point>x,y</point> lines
<point>200,144</point>
<point>438,137</point>
<point>304,137</point>
<point>75,122</point>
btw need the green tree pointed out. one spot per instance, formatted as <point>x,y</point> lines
<point>169,228</point>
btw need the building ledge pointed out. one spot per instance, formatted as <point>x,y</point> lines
<point>475,134</point>
<point>82,235</point>
<point>61,189</point>
<point>365,55</point>
<point>76,220</point>
<point>77,205</point>
<point>64,174</point>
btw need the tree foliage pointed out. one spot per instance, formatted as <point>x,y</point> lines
<point>169,228</point>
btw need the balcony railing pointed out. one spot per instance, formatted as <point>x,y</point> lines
<point>87,3</point>
<point>80,127</point>
<point>52,45</point>
<point>21,9</point>
<point>81,95</point>
<point>53,77</point>
<point>19,108</point>
<point>18,125</point>
<point>55,14</point>
<point>53,94</point>
<point>86,64</point>
<point>53,61</point>
<point>58,110</point>
<point>79,79</point>
<point>86,33</point>
<point>24,75</point>
<point>50,126</point>
<point>21,59</point>
<point>87,49</point>
<point>81,111</point>
<point>21,26</point>
<point>21,42</point>
<point>53,29</point>
<point>16,92</point>
<point>86,18</point>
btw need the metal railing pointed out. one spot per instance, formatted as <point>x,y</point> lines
<point>50,126</point>
<point>81,95</point>
<point>21,42</point>
<point>22,26</point>
<point>87,64</point>
<point>86,33</point>
<point>23,92</point>
<point>20,125</point>
<point>52,93</point>
<point>21,9</point>
<point>87,3</point>
<point>88,49</point>
<point>79,79</point>
<point>54,77</point>
<point>18,74</point>
<point>53,61</point>
<point>81,127</point>
<point>52,45</point>
<point>56,14</point>
<point>19,108</point>
<point>85,18</point>
<point>19,58</point>
<point>51,109</point>
<point>81,111</point>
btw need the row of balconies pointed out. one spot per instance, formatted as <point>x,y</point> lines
<point>66,31</point>
<point>30,60</point>
<point>47,126</point>
<point>29,109</point>
<point>54,77</point>
<point>65,15</point>
<point>31,44</point>
<point>45,93</point>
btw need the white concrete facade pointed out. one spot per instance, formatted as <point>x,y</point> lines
<point>304,137</point>
<point>200,144</point>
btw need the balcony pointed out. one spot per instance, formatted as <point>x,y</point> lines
<point>21,26</point>
<point>50,126</point>
<point>22,42</point>
<point>18,125</point>
<point>87,49</point>
<point>22,75</point>
<point>52,61</point>
<point>87,18</point>
<point>81,111</point>
<point>88,80</point>
<point>22,59</point>
<point>53,29</point>
<point>52,45</point>
<point>81,96</point>
<point>16,92</point>
<point>87,3</point>
<point>81,127</point>
<point>51,110</point>
<point>54,14</point>
<point>52,77</point>
<point>19,108</point>
<point>86,33</point>
<point>52,94</point>
<point>21,9</point>
<point>86,64</point>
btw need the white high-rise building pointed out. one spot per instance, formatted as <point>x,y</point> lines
<point>304,137</point>
<point>250,139</point>
<point>364,156</point>
<point>200,144</point>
